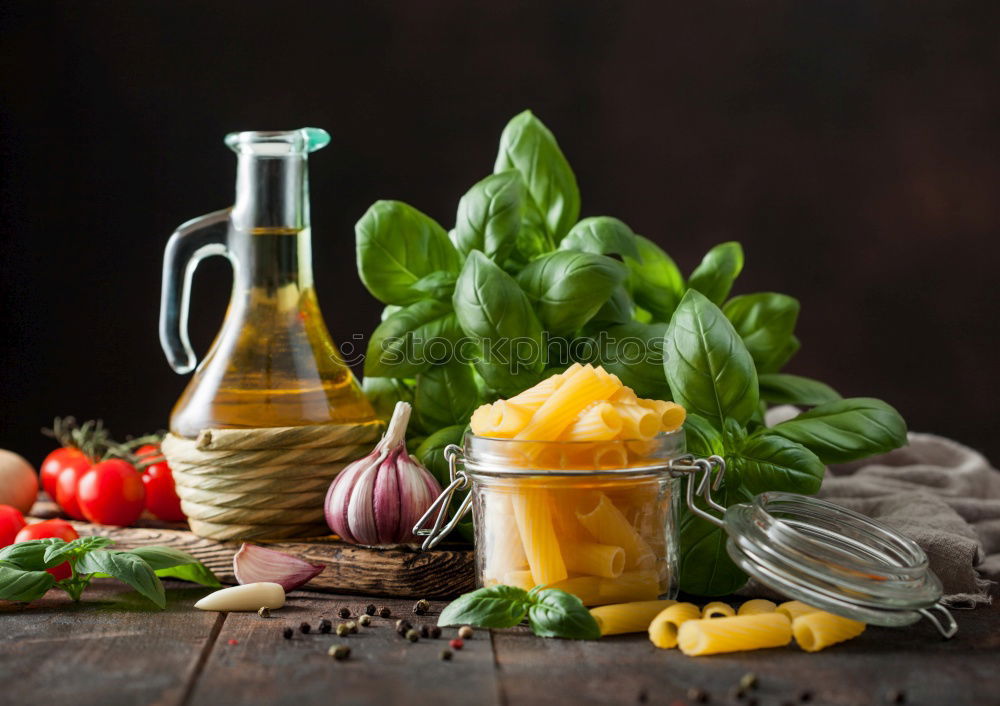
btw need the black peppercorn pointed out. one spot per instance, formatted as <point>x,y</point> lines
<point>421,607</point>
<point>699,696</point>
<point>895,696</point>
<point>435,632</point>
<point>287,633</point>
<point>365,620</point>
<point>325,626</point>
<point>425,630</point>
<point>643,696</point>
<point>344,613</point>
<point>304,628</point>
<point>412,635</point>
<point>402,626</point>
<point>737,693</point>
<point>384,612</point>
<point>805,696</point>
<point>446,655</point>
<point>370,609</point>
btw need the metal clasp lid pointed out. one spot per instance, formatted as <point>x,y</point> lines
<point>459,481</point>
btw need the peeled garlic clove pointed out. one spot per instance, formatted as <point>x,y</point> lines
<point>251,596</point>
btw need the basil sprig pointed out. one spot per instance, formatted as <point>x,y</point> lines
<point>550,611</point>
<point>23,576</point>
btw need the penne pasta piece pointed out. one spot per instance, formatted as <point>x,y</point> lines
<point>671,414</point>
<point>734,634</point>
<point>598,422</point>
<point>609,455</point>
<point>565,403</point>
<point>532,398</point>
<point>717,609</point>
<point>504,550</point>
<point>608,525</point>
<point>631,586</point>
<point>620,618</point>
<point>520,579</point>
<point>586,588</point>
<point>593,559</point>
<point>638,422</point>
<point>756,606</point>
<point>819,629</point>
<point>624,395</point>
<point>538,536</point>
<point>665,624</point>
<point>793,609</point>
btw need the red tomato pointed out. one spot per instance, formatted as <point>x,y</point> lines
<point>58,461</point>
<point>60,529</point>
<point>11,522</point>
<point>66,490</point>
<point>161,496</point>
<point>111,493</point>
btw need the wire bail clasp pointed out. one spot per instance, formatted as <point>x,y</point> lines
<point>706,475</point>
<point>459,481</point>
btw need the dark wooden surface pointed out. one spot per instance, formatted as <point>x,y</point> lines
<point>115,648</point>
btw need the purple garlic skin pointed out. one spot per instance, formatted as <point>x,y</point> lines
<point>377,499</point>
<point>253,564</point>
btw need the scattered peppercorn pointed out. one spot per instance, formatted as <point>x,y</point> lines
<point>403,625</point>
<point>425,630</point>
<point>384,612</point>
<point>370,609</point>
<point>446,655</point>
<point>365,620</point>
<point>456,644</point>
<point>737,693</point>
<point>748,681</point>
<point>325,626</point>
<point>339,652</point>
<point>643,696</point>
<point>805,696</point>
<point>435,632</point>
<point>421,607</point>
<point>234,642</point>
<point>264,612</point>
<point>412,635</point>
<point>343,630</point>
<point>895,696</point>
<point>344,612</point>
<point>699,696</point>
<point>287,633</point>
<point>352,627</point>
<point>304,628</point>
<point>465,632</point>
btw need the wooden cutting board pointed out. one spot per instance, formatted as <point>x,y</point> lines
<point>400,571</point>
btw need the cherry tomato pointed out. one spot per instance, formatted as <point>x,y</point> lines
<point>161,495</point>
<point>111,493</point>
<point>60,529</point>
<point>58,461</point>
<point>66,490</point>
<point>11,522</point>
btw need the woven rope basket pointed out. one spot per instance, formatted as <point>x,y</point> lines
<point>263,483</point>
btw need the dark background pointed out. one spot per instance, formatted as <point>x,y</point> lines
<point>851,145</point>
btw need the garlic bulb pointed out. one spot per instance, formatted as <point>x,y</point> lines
<point>377,499</point>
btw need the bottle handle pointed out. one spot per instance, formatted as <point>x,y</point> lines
<point>189,245</point>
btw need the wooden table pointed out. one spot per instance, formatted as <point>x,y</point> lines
<point>116,648</point>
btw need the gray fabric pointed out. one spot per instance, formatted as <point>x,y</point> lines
<point>941,494</point>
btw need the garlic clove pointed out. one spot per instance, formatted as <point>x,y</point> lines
<point>253,564</point>
<point>251,596</point>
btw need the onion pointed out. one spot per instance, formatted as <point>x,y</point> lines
<point>18,482</point>
<point>253,564</point>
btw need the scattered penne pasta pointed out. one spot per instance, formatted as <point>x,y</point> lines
<point>818,629</point>
<point>663,628</point>
<point>717,609</point>
<point>793,609</point>
<point>756,606</point>
<point>734,634</point>
<point>620,618</point>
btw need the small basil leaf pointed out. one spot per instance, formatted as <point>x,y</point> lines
<point>555,613</point>
<point>127,568</point>
<point>397,246</point>
<point>569,287</point>
<point>634,352</point>
<point>654,280</point>
<point>528,146</point>
<point>389,310</point>
<point>384,393</point>
<point>31,555</point>
<point>437,285</point>
<point>765,461</point>
<point>446,395</point>
<point>602,235</point>
<point>618,309</point>
<point>702,438</point>
<point>489,215</point>
<point>431,451</point>
<point>492,607</point>
<point>20,585</point>
<point>718,270</point>
<point>86,544</point>
<point>782,388</point>
<point>705,566</point>
<point>173,563</point>
<point>708,367</point>
<point>765,321</point>
<point>413,339</point>
<point>846,430</point>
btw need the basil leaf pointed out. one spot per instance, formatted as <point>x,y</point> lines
<point>709,370</point>
<point>384,393</point>
<point>528,146</point>
<point>436,285</point>
<point>634,352</point>
<point>781,388</point>
<point>718,270</point>
<point>431,451</point>
<point>601,235</point>
<point>568,287</point>
<point>20,585</point>
<point>412,339</point>
<point>765,321</point>
<point>446,395</point>
<point>127,568</point>
<point>493,607</point>
<point>33,555</point>
<point>497,315</point>
<point>765,461</point>
<point>618,309</point>
<point>555,613</point>
<point>173,563</point>
<point>705,566</point>
<point>397,246</point>
<point>846,430</point>
<point>489,215</point>
<point>702,438</point>
<point>86,544</point>
<point>656,283</point>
